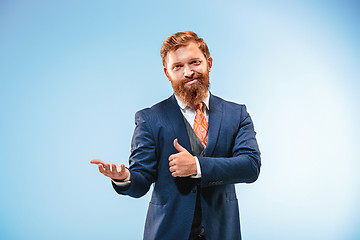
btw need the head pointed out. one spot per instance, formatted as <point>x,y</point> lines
<point>187,64</point>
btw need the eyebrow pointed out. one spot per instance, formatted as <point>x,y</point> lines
<point>191,59</point>
<point>175,63</point>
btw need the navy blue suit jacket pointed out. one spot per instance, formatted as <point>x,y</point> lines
<point>231,156</point>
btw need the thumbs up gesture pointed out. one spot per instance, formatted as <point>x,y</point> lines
<point>182,164</point>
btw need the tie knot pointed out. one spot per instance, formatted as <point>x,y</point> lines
<point>199,106</point>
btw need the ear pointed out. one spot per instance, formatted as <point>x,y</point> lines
<point>166,73</point>
<point>210,60</point>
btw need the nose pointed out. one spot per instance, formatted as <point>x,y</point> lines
<point>188,72</point>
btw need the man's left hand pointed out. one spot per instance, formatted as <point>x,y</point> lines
<point>182,164</point>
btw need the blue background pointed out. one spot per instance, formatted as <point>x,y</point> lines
<point>73,74</point>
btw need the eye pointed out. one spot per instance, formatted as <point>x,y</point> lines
<point>176,67</point>
<point>196,62</point>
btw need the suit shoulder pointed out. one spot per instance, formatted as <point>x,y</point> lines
<point>231,108</point>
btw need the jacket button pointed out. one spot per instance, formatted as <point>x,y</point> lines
<point>193,190</point>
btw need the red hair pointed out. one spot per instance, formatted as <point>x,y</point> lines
<point>181,39</point>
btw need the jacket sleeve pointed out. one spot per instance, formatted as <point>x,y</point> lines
<point>142,161</point>
<point>244,164</point>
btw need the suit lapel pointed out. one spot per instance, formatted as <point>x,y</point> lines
<point>215,118</point>
<point>177,122</point>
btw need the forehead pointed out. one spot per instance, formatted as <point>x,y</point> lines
<point>185,53</point>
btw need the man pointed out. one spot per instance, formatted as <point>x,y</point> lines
<point>194,147</point>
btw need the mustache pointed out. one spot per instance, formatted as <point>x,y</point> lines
<point>194,76</point>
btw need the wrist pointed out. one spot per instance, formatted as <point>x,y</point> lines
<point>126,179</point>
<point>194,167</point>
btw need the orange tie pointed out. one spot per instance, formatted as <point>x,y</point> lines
<point>200,124</point>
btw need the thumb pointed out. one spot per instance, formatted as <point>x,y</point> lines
<point>178,146</point>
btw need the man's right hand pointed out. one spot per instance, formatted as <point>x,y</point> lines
<point>112,170</point>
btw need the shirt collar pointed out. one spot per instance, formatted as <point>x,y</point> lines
<point>183,106</point>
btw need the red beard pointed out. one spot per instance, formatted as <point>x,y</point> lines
<point>195,93</point>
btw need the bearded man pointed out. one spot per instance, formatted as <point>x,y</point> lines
<point>193,146</point>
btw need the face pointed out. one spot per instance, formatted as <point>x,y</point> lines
<point>188,71</point>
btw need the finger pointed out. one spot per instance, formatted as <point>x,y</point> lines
<point>107,167</point>
<point>172,157</point>
<point>96,161</point>
<point>122,168</point>
<point>178,146</point>
<point>113,168</point>
<point>101,168</point>
<point>172,169</point>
